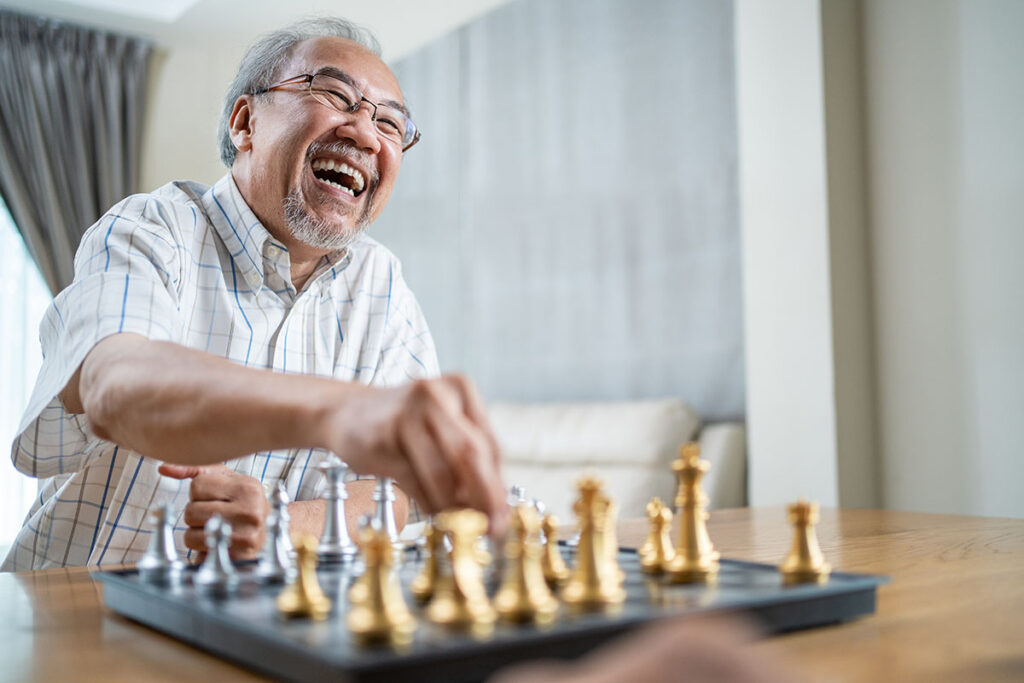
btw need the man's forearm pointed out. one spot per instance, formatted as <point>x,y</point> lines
<point>184,406</point>
<point>190,408</point>
<point>307,516</point>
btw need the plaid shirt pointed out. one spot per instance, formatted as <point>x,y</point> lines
<point>192,264</point>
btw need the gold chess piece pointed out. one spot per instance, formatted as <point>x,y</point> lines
<point>524,594</point>
<point>552,564</point>
<point>610,541</point>
<point>695,557</point>
<point>594,582</point>
<point>460,599</point>
<point>303,598</point>
<point>426,581</point>
<point>657,551</point>
<point>377,610</point>
<point>805,562</point>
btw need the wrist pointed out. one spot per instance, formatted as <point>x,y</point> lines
<point>307,517</point>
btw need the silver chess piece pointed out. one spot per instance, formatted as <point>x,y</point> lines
<point>335,543</point>
<point>384,496</point>
<point>516,495</point>
<point>160,565</point>
<point>279,502</point>
<point>275,563</point>
<point>217,576</point>
<point>542,510</point>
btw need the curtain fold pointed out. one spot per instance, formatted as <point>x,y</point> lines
<point>71,106</point>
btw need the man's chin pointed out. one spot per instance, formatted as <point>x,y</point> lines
<point>330,233</point>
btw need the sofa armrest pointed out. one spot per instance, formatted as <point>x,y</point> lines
<point>724,445</point>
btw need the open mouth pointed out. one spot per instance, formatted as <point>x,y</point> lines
<point>340,175</point>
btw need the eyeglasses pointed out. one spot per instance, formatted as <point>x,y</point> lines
<point>391,123</point>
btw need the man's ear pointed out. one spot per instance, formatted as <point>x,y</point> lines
<point>240,124</point>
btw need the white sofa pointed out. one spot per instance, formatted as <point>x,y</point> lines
<point>629,445</point>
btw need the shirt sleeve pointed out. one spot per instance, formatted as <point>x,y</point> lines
<point>407,349</point>
<point>127,269</point>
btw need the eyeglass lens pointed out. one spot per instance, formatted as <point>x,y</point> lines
<point>391,123</point>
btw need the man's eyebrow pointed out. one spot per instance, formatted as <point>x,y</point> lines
<point>335,72</point>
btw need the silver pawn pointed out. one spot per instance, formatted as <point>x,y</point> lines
<point>279,502</point>
<point>516,495</point>
<point>275,563</point>
<point>542,510</point>
<point>217,576</point>
<point>384,496</point>
<point>335,543</point>
<point>160,565</point>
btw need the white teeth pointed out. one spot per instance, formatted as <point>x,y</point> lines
<point>358,183</point>
<point>340,187</point>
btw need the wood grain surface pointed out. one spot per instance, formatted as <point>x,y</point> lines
<point>953,612</point>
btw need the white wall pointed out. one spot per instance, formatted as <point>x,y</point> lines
<point>198,56</point>
<point>945,93</point>
<point>784,217</point>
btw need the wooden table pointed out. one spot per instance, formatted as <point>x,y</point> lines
<point>953,612</point>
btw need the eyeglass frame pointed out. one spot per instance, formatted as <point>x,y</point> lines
<point>307,79</point>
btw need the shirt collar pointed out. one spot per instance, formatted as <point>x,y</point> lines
<point>242,233</point>
<point>248,241</point>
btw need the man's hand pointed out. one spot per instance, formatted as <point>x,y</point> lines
<point>238,498</point>
<point>432,436</point>
<point>669,651</point>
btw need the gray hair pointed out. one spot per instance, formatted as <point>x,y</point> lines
<point>264,59</point>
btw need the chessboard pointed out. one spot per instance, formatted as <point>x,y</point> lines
<point>245,626</point>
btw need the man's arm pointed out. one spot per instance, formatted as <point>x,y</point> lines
<point>187,407</point>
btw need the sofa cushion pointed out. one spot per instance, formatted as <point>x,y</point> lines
<point>629,445</point>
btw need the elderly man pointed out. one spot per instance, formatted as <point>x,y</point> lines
<point>218,340</point>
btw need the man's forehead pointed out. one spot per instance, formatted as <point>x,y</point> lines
<point>364,69</point>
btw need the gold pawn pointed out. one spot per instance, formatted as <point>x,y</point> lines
<point>805,562</point>
<point>303,598</point>
<point>657,551</point>
<point>425,583</point>
<point>524,596</point>
<point>555,571</point>
<point>594,583</point>
<point>696,559</point>
<point>377,611</point>
<point>460,599</point>
<point>610,542</point>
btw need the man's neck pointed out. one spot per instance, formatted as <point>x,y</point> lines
<point>302,258</point>
<point>302,269</point>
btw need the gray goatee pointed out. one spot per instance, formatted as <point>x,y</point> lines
<point>316,231</point>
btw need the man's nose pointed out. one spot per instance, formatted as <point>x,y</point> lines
<point>360,128</point>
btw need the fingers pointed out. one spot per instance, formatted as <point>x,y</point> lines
<point>188,471</point>
<point>473,404</point>
<point>459,464</point>
<point>178,471</point>
<point>239,499</point>
<point>430,473</point>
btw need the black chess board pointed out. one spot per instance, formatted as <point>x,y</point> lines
<point>247,629</point>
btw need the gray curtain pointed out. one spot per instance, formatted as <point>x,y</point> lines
<point>71,106</point>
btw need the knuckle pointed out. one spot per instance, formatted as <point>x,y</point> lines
<point>194,540</point>
<point>246,540</point>
<point>459,381</point>
<point>249,517</point>
<point>422,390</point>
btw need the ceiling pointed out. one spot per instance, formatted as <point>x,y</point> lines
<point>401,25</point>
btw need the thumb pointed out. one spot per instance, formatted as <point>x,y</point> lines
<point>185,471</point>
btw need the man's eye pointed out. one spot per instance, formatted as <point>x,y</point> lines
<point>338,97</point>
<point>389,124</point>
